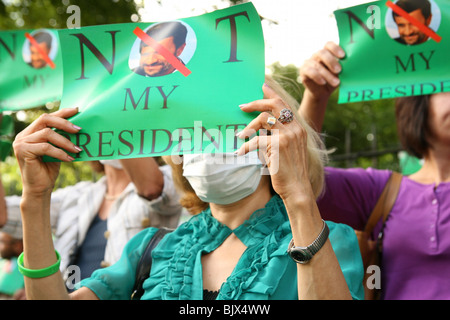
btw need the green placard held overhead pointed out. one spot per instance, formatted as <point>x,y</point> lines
<point>30,69</point>
<point>394,49</point>
<point>171,87</point>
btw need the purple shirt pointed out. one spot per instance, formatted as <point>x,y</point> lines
<point>416,246</point>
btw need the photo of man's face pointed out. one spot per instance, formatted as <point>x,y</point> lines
<point>410,33</point>
<point>37,59</point>
<point>44,42</point>
<point>169,35</point>
<point>154,64</point>
<point>420,10</point>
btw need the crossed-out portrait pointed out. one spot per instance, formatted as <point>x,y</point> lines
<point>175,36</point>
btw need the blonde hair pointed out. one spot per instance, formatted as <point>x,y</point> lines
<point>189,198</point>
<point>317,157</point>
<point>317,154</point>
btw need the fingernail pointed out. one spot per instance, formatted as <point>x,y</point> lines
<point>240,134</point>
<point>70,158</point>
<point>77,148</point>
<point>243,105</point>
<point>76,127</point>
<point>335,81</point>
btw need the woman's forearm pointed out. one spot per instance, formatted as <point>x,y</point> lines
<point>39,251</point>
<point>313,109</point>
<point>321,278</point>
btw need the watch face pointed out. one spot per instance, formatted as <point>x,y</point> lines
<point>300,255</point>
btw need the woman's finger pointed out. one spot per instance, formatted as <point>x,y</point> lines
<point>45,149</point>
<point>273,105</point>
<point>335,49</point>
<point>268,150</point>
<point>264,121</point>
<point>319,73</point>
<point>323,67</point>
<point>55,120</point>
<point>45,143</point>
<point>38,139</point>
<point>48,135</point>
<point>328,59</point>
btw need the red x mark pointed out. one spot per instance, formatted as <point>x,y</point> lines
<point>38,48</point>
<point>430,33</point>
<point>174,61</point>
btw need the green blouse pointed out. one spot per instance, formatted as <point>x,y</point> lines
<point>264,271</point>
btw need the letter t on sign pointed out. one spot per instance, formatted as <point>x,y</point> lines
<point>233,30</point>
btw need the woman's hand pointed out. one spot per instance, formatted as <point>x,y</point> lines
<point>320,76</point>
<point>320,73</point>
<point>38,140</point>
<point>284,148</point>
<point>285,151</point>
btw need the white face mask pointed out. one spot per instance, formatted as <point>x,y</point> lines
<point>113,163</point>
<point>222,178</point>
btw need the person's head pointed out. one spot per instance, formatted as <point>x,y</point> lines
<point>422,122</point>
<point>246,174</point>
<point>44,41</point>
<point>9,246</point>
<point>172,36</point>
<point>421,11</point>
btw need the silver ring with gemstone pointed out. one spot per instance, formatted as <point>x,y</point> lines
<point>286,116</point>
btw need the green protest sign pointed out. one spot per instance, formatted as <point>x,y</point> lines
<point>394,49</point>
<point>30,69</point>
<point>174,87</point>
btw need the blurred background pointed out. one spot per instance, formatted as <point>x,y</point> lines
<point>362,134</point>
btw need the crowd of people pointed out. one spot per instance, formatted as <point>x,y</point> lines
<point>270,221</point>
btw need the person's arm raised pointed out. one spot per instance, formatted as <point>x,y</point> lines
<point>38,179</point>
<point>285,153</point>
<point>319,75</point>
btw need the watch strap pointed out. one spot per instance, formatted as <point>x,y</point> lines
<point>315,246</point>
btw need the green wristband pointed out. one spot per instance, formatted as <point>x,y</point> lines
<point>38,273</point>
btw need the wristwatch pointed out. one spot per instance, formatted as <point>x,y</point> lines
<point>304,254</point>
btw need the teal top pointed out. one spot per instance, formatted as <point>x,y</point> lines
<point>11,279</point>
<point>264,271</point>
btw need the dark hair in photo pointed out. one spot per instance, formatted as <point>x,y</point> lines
<point>413,5</point>
<point>412,124</point>
<point>41,37</point>
<point>168,29</point>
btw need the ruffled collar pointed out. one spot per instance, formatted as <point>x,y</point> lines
<point>262,222</point>
<point>176,270</point>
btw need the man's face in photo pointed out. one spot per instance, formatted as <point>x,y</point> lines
<point>153,63</point>
<point>37,60</point>
<point>409,32</point>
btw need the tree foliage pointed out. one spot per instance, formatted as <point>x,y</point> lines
<point>27,14</point>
